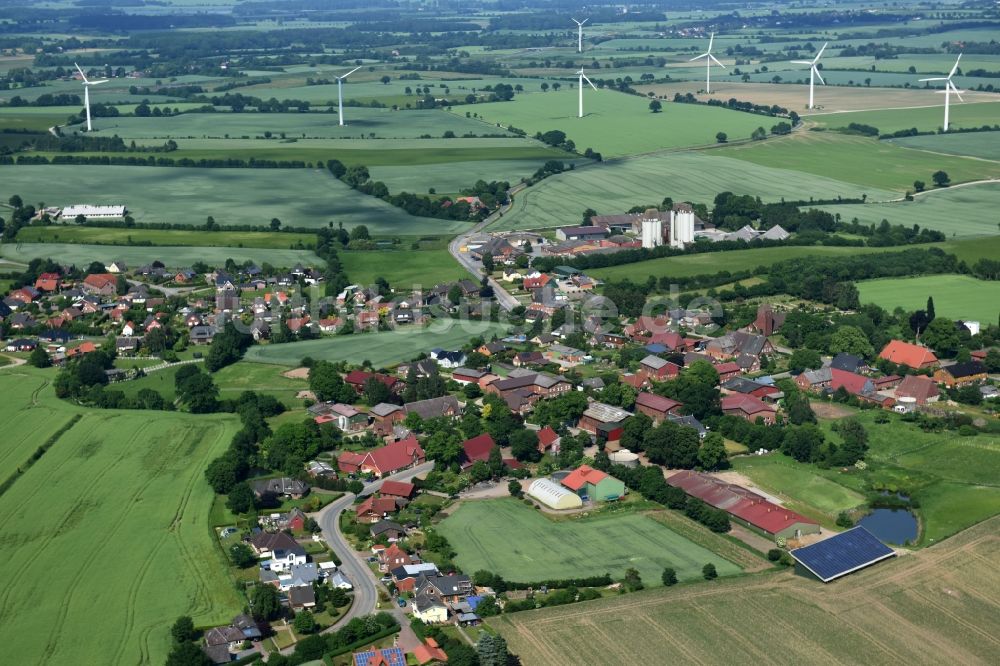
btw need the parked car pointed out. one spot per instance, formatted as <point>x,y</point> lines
<point>402,602</point>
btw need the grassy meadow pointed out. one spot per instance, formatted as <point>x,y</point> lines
<point>866,162</point>
<point>82,254</point>
<point>177,195</point>
<point>616,124</point>
<point>382,349</point>
<point>940,604</point>
<point>542,549</point>
<point>113,517</point>
<point>959,296</point>
<point>615,187</point>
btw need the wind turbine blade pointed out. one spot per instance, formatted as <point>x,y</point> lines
<point>82,75</point>
<point>936,78</point>
<point>344,76</point>
<point>955,68</point>
<point>816,59</point>
<point>711,40</point>
<point>957,92</point>
<point>589,81</point>
<point>818,76</point>
<point>716,61</point>
<point>801,62</point>
<point>94,83</point>
<point>698,57</point>
<point>584,20</point>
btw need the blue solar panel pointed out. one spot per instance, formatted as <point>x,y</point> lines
<point>393,655</point>
<point>841,554</point>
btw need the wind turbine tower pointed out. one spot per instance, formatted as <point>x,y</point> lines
<point>86,93</point>
<point>813,73</point>
<point>340,94</point>
<point>583,77</point>
<point>949,88</point>
<point>579,34</point>
<point>709,59</point>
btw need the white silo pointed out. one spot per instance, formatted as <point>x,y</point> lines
<point>652,232</point>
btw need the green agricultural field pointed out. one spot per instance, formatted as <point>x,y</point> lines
<point>453,177</point>
<point>866,162</point>
<point>971,250</point>
<point>403,268</point>
<point>985,145</point>
<point>958,212</point>
<point>959,296</point>
<point>935,606</point>
<point>713,262</point>
<point>382,349</point>
<point>177,195</point>
<point>360,122</point>
<point>70,233</point>
<point>924,118</point>
<point>800,488</point>
<point>617,186</point>
<point>617,124</point>
<point>30,421</point>
<point>171,256</point>
<point>520,544</point>
<point>113,517</point>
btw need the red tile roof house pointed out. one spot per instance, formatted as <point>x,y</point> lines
<point>748,408</point>
<point>477,449</point>
<point>854,384</point>
<point>912,356</point>
<point>658,368</point>
<point>374,509</point>
<point>357,378</point>
<point>47,282</point>
<point>655,407</point>
<point>548,439</point>
<point>100,283</point>
<point>728,370</point>
<point>399,489</point>
<point>744,505</point>
<point>393,557</point>
<point>922,389</point>
<point>384,460</point>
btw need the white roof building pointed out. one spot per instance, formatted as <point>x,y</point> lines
<point>553,495</point>
<point>89,211</point>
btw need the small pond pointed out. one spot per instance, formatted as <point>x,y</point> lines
<point>895,526</point>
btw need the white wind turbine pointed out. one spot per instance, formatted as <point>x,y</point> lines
<point>709,58</point>
<point>813,73</point>
<point>86,92</point>
<point>340,94</point>
<point>579,34</point>
<point>949,88</point>
<point>583,77</point>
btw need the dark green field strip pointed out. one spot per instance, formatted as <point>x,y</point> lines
<point>39,452</point>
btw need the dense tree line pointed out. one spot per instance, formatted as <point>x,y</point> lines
<point>131,160</point>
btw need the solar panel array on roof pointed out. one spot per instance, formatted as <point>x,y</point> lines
<point>842,554</point>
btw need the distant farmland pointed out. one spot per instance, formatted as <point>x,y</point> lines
<point>171,256</point>
<point>955,296</point>
<point>936,606</point>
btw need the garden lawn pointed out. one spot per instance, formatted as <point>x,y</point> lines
<point>697,176</point>
<point>403,268</point>
<point>171,256</point>
<point>955,296</point>
<point>179,195</point>
<point>106,536</point>
<point>519,543</point>
<point>804,490</point>
<point>960,211</point>
<point>616,124</point>
<point>382,349</point>
<point>864,161</point>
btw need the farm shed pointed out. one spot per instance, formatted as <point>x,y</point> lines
<point>552,495</point>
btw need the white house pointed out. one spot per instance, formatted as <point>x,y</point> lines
<point>283,559</point>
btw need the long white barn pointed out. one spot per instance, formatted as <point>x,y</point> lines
<point>96,212</point>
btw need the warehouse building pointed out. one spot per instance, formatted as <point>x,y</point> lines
<point>93,212</point>
<point>552,495</point>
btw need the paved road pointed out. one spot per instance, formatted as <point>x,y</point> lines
<point>353,564</point>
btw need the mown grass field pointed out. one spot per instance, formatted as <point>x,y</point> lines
<point>617,186</point>
<point>382,349</point>
<point>70,233</point>
<point>519,543</point>
<point>960,296</point>
<point>105,537</point>
<point>800,488</point>
<point>713,262</point>
<point>608,113</point>
<point>403,268</point>
<point>958,212</point>
<point>866,162</point>
<point>936,606</point>
<point>985,145</point>
<point>926,118</point>
<point>177,195</point>
<point>171,256</point>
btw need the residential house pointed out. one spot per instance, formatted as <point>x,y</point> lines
<point>467,375</point>
<point>265,544</point>
<point>429,652</point>
<point>766,392</point>
<point>293,520</point>
<point>384,460</point>
<point>961,374</point>
<point>300,598</point>
<point>658,368</point>
<point>388,529</point>
<point>917,389</point>
<point>910,355</point>
<point>448,359</point>
<point>849,363</point>
<point>854,384</point>
<point>548,440</point>
<point>814,380</point>
<point>372,656</point>
<point>767,321</point>
<point>477,449</point>
<point>374,509</point>
<point>492,348</point>
<point>347,418</point>
<point>737,343</point>
<point>385,415</point>
<point>47,282</point>
<point>594,484</point>
<point>656,407</point>
<point>728,370</point>
<point>356,379</point>
<point>522,359</point>
<point>397,489</point>
<point>280,487</point>
<point>432,408</point>
<point>127,346</point>
<point>392,557</point>
<point>422,368</point>
<point>604,420</point>
<point>748,407</point>
<point>689,421</point>
<point>201,335</point>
